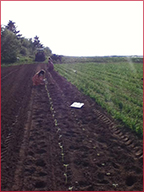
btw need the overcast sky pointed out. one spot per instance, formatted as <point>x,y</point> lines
<point>80,28</point>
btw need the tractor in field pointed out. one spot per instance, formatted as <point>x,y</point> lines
<point>40,55</point>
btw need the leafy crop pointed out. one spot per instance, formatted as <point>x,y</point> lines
<point>117,87</point>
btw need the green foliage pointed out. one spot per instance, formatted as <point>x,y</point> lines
<point>17,49</point>
<point>11,27</point>
<point>117,87</point>
<point>98,59</point>
<point>9,46</point>
<point>23,51</point>
<point>37,43</point>
<point>25,60</point>
<point>48,52</point>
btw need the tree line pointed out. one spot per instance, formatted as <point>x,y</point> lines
<point>14,46</point>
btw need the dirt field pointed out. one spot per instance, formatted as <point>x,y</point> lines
<point>49,146</point>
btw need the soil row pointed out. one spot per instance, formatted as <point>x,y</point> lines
<point>49,146</point>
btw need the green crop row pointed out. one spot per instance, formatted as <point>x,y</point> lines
<point>116,87</point>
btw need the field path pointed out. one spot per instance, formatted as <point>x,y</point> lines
<point>49,146</point>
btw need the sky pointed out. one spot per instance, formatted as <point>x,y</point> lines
<point>80,28</point>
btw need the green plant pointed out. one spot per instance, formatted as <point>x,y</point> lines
<point>65,178</point>
<point>56,124</point>
<point>65,165</point>
<point>62,154</point>
<point>70,188</point>
<point>61,147</point>
<point>58,129</point>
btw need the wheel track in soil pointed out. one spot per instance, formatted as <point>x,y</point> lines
<point>8,74</point>
<point>7,142</point>
<point>123,136</point>
<point>93,146</point>
<point>12,118</point>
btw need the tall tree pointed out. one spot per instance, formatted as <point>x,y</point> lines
<point>37,43</point>
<point>11,27</point>
<point>9,46</point>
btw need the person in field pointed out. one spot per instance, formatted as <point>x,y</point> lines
<point>38,78</point>
<point>50,65</point>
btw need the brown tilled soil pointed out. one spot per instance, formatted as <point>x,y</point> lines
<point>49,146</point>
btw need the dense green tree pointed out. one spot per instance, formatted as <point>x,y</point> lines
<point>26,47</point>
<point>31,47</point>
<point>56,58</point>
<point>9,46</point>
<point>37,43</point>
<point>23,51</point>
<point>25,42</point>
<point>48,52</point>
<point>11,27</point>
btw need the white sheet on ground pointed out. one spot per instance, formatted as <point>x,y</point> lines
<point>77,105</point>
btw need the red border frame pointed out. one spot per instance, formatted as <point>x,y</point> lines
<point>0,69</point>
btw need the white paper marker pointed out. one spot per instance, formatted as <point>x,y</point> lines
<point>77,105</point>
